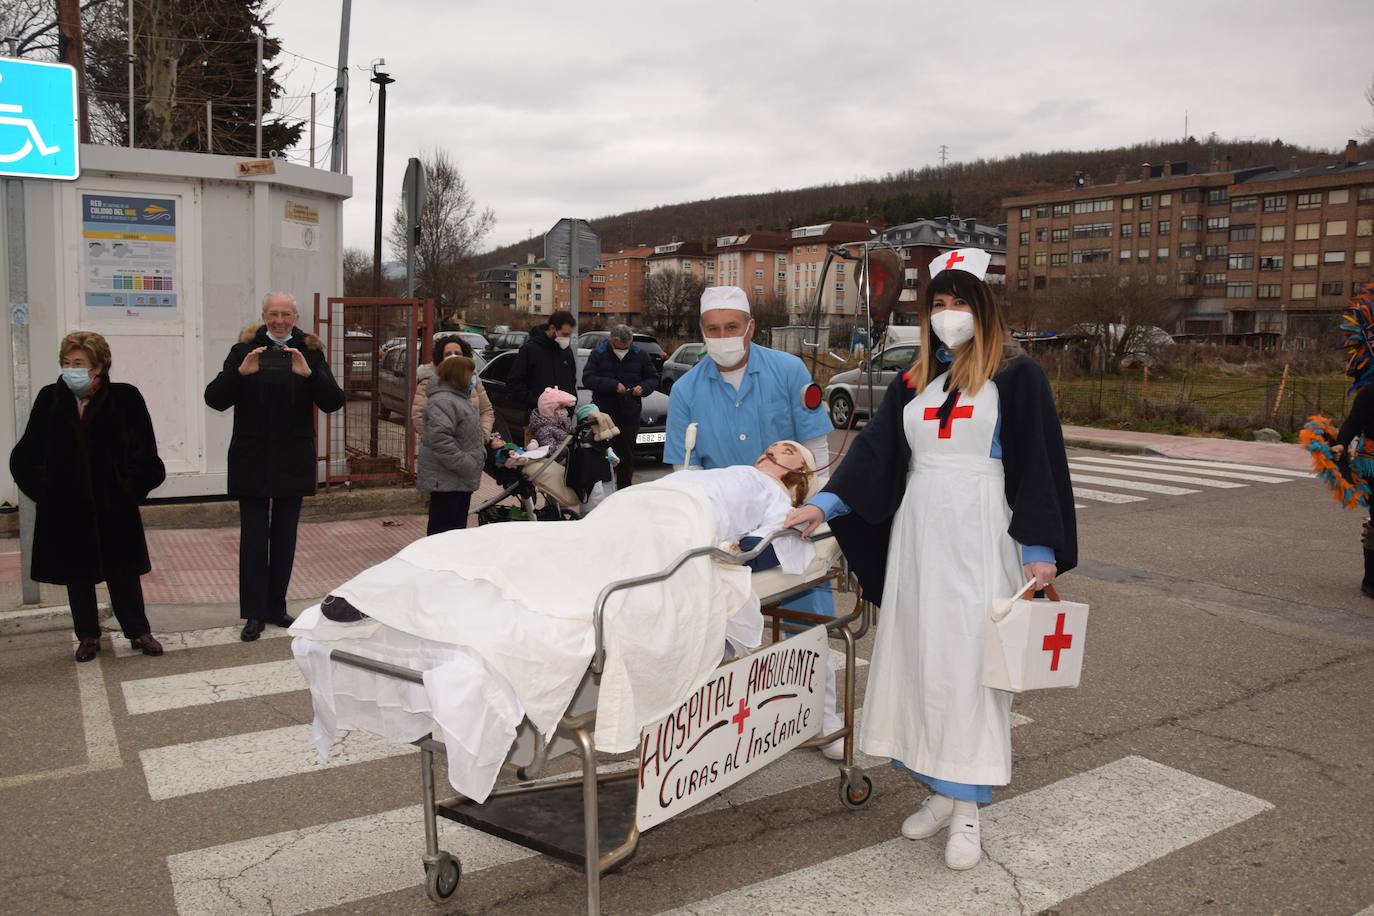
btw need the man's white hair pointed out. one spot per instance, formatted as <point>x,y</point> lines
<point>279,294</point>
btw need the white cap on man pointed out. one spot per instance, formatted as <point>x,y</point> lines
<point>724,297</point>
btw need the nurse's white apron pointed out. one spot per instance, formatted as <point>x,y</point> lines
<point>949,560</point>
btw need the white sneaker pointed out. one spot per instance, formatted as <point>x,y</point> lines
<point>964,848</point>
<point>834,750</point>
<point>932,817</point>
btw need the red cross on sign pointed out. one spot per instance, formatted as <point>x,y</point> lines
<point>1057,642</point>
<point>947,424</point>
<point>954,258</point>
<point>739,717</point>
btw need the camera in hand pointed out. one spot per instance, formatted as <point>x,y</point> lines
<point>275,359</point>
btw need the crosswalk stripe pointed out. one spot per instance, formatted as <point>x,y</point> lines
<point>218,763</point>
<point>1041,847</point>
<point>1101,496</point>
<point>1167,464</point>
<point>192,639</point>
<point>1155,475</point>
<point>1140,485</point>
<point>1226,465</point>
<point>216,685</point>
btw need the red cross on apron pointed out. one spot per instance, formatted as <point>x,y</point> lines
<point>947,424</point>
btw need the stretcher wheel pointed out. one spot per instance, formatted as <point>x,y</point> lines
<point>856,795</point>
<point>441,878</point>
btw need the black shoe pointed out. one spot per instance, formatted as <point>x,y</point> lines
<point>284,621</point>
<point>1368,590</point>
<point>252,629</point>
<point>87,649</point>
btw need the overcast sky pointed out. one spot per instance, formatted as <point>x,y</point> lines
<point>586,109</point>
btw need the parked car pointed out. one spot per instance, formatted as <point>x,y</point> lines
<point>848,392</point>
<point>478,342</point>
<point>588,341</point>
<point>653,412</point>
<point>393,385</point>
<point>677,365</point>
<point>357,366</point>
<point>506,340</point>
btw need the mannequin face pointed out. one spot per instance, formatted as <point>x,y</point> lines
<point>780,459</point>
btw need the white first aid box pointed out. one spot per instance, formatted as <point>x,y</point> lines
<point>1038,644</point>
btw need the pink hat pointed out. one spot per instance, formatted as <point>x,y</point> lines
<point>552,399</point>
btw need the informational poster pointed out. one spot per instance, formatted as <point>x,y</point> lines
<point>130,256</point>
<point>300,229</point>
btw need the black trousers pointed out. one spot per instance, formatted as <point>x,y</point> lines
<point>624,445</point>
<point>126,597</point>
<point>1367,541</point>
<point>267,551</point>
<point>448,511</point>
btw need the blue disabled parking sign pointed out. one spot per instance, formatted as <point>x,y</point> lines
<point>38,120</point>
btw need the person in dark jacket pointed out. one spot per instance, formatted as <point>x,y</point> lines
<point>449,468</point>
<point>87,458</point>
<point>620,373</point>
<point>274,378</point>
<point>545,360</point>
<point>1360,423</point>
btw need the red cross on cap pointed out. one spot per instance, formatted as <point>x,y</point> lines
<point>970,260</point>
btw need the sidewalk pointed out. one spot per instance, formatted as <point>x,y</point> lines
<point>1269,454</point>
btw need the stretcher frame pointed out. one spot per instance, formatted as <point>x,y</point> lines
<point>443,870</point>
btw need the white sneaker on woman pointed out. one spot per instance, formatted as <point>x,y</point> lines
<point>932,817</point>
<point>964,847</point>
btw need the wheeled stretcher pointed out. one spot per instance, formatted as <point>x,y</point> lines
<point>587,819</point>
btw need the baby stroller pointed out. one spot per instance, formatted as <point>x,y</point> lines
<point>553,488</point>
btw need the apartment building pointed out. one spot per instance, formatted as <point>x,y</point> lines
<point>921,241</point>
<point>806,250</point>
<point>496,285</point>
<point>686,257</point>
<point>625,273</point>
<point>1251,250</point>
<point>755,261</point>
<point>534,287</point>
<point>591,293</point>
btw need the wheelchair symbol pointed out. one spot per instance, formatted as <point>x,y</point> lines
<point>33,139</point>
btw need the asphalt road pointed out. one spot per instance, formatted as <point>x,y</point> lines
<point>1217,759</point>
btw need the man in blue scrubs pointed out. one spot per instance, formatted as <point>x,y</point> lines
<point>744,397</point>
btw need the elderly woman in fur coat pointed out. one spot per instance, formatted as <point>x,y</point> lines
<point>273,378</point>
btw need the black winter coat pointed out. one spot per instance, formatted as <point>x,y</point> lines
<point>541,364</point>
<point>605,371</point>
<point>272,451</point>
<point>87,473</point>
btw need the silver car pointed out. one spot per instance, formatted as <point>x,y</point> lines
<point>848,392</point>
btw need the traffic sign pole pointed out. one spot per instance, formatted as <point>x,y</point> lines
<point>17,259</point>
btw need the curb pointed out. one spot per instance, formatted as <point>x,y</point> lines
<point>1118,448</point>
<point>43,619</point>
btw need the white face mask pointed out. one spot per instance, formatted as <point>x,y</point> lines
<point>727,351</point>
<point>563,342</point>
<point>954,328</point>
<point>620,354</point>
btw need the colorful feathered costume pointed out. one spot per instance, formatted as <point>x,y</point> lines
<point>1348,479</point>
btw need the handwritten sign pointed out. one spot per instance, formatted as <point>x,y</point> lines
<point>250,167</point>
<point>748,714</point>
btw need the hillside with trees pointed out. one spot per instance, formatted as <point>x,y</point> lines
<point>968,189</point>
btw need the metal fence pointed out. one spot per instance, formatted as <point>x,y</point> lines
<point>375,346</point>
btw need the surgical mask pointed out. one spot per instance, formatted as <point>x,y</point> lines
<point>563,342</point>
<point>726,351</point>
<point>472,385</point>
<point>620,354</point>
<point>954,328</point>
<point>279,341</point>
<point>78,380</point>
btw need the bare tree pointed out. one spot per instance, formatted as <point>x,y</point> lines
<point>357,272</point>
<point>452,227</point>
<point>1368,131</point>
<point>1124,311</point>
<point>672,301</point>
<point>769,311</point>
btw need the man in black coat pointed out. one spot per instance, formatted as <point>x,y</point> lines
<point>274,378</point>
<point>620,374</point>
<point>545,360</point>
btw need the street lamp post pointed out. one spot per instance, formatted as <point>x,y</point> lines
<point>382,80</point>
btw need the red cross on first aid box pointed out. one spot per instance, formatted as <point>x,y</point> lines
<point>1034,644</point>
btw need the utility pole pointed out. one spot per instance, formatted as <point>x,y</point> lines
<point>129,11</point>
<point>71,49</point>
<point>258,131</point>
<point>382,80</point>
<point>209,126</point>
<point>944,156</point>
<point>338,161</point>
<point>312,130</point>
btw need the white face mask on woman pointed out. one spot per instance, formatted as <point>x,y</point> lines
<point>953,328</point>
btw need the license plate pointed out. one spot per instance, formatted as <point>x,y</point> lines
<point>650,438</point>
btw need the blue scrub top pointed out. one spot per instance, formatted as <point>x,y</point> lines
<point>734,427</point>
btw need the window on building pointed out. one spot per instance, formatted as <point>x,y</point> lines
<point>1022,283</point>
<point>1303,291</point>
<point>1092,231</point>
<point>1271,262</point>
<point>1143,230</point>
<point>839,270</point>
<point>1025,212</point>
<point>1243,233</point>
<point>1164,227</point>
<point>1192,195</point>
<point>1187,250</point>
<point>1361,259</point>
<point>538,297</point>
<point>1146,201</point>
<point>1244,204</point>
<point>1098,205</point>
<point>1272,233</point>
<point>1040,258</point>
<point>1269,290</point>
<point>1061,209</point>
<point>1240,262</point>
<point>1166,201</point>
<point>1041,234</point>
<point>1364,228</point>
<point>1024,238</point>
<point>1090,255</point>
<point>1127,230</point>
<point>1217,195</point>
<point>1128,203</point>
<point>1039,282</point>
<point>758,274</point>
<point>782,275</point>
<point>1214,279</point>
<point>1335,227</point>
<point>1059,235</point>
<point>1059,259</point>
<point>1187,277</point>
<point>1333,257</point>
<point>1275,203</point>
<point>1239,290</point>
<point>1305,232</point>
<point>1162,254</point>
<point>1218,223</point>
<point>1190,224</point>
<point>1366,194</point>
<point>1310,201</point>
<point>1333,288</point>
<point>1305,260</point>
<point>1125,254</point>
<point>1023,261</point>
<point>1142,255</point>
<point>839,285</point>
<point>1215,251</point>
<point>1338,196</point>
<point>1042,210</point>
